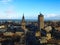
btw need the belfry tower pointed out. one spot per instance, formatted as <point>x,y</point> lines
<point>40,21</point>
<point>23,22</point>
<point>40,25</point>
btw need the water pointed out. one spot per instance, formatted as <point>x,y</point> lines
<point>18,20</point>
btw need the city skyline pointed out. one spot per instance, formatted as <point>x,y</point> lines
<point>14,9</point>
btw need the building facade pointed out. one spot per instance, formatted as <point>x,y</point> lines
<point>40,21</point>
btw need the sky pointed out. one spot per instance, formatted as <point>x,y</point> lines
<point>14,9</point>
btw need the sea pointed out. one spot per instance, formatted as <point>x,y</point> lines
<point>18,20</point>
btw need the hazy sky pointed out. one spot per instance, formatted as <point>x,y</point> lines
<point>14,9</point>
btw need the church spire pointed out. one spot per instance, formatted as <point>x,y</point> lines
<point>23,23</point>
<point>23,18</point>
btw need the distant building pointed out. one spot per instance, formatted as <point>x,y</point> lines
<point>8,33</point>
<point>48,36</point>
<point>48,28</point>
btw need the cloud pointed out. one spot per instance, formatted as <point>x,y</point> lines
<point>52,16</point>
<point>9,13</point>
<point>10,10</point>
<point>6,1</point>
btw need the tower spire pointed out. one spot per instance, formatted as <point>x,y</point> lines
<point>41,14</point>
<point>23,18</point>
<point>23,22</point>
<point>23,15</point>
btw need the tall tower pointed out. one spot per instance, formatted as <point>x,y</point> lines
<point>23,22</point>
<point>40,21</point>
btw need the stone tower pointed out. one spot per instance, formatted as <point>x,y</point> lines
<point>40,21</point>
<point>23,22</point>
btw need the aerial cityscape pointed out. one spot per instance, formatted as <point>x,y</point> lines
<point>29,22</point>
